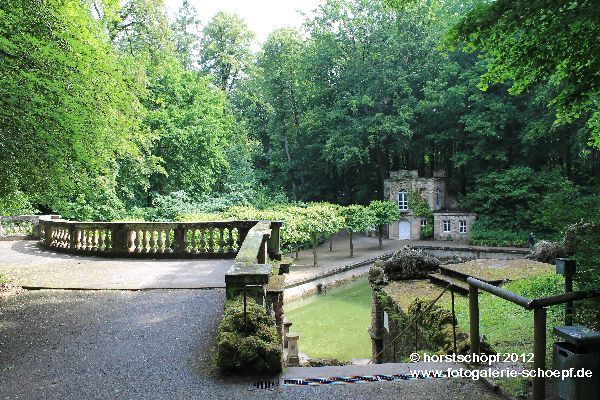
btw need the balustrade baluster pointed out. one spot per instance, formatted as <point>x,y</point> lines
<point>101,235</point>
<point>211,240</point>
<point>95,240</point>
<point>221,240</point>
<point>194,241</point>
<point>168,240</point>
<point>160,242</point>
<point>144,240</point>
<point>230,240</point>
<point>202,245</point>
<point>77,239</point>
<point>151,241</point>
<point>137,241</point>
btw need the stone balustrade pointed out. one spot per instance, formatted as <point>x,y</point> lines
<point>21,226</point>
<point>218,239</point>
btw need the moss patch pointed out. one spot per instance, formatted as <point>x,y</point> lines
<point>403,293</point>
<point>498,270</point>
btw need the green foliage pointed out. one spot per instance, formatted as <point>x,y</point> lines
<point>485,232</point>
<point>517,200</point>
<point>321,220</point>
<point>15,203</point>
<point>225,49</point>
<point>526,43</point>
<point>250,348</point>
<point>384,212</point>
<point>427,230</point>
<point>419,206</point>
<point>188,116</point>
<point>68,105</point>
<point>357,218</point>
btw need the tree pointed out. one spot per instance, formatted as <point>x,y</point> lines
<point>186,38</point>
<point>531,42</point>
<point>279,65</point>
<point>68,106</point>
<point>193,127</point>
<point>320,220</point>
<point>357,218</point>
<point>225,49</point>
<point>384,212</point>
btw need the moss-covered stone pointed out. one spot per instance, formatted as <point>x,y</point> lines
<point>502,270</point>
<point>408,263</point>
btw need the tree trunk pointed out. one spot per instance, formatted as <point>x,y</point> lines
<point>351,246</point>
<point>289,158</point>
<point>331,244</point>
<point>314,249</point>
<point>380,234</point>
<point>296,250</point>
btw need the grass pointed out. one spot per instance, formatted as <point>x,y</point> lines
<point>334,325</point>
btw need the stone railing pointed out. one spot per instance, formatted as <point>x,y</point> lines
<point>222,239</point>
<point>21,227</point>
<point>250,272</point>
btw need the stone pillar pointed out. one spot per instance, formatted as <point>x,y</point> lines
<point>179,239</point>
<point>293,358</point>
<point>286,330</point>
<point>377,329</point>
<point>47,234</point>
<point>119,238</point>
<point>274,243</point>
<point>262,256</point>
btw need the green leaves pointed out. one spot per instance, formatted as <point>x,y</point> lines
<point>529,43</point>
<point>384,212</point>
<point>357,218</point>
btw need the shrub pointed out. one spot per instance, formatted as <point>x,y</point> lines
<point>427,231</point>
<point>252,349</point>
<point>484,234</point>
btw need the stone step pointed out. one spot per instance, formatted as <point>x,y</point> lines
<point>443,280</point>
<point>300,373</point>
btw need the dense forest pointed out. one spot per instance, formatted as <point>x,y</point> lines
<point>111,110</point>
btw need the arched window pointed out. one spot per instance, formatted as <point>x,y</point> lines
<point>403,200</point>
<point>438,198</point>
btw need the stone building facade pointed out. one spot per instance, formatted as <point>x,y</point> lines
<point>405,184</point>
<point>452,224</point>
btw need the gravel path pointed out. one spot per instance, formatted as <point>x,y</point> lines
<point>146,345</point>
<point>26,264</point>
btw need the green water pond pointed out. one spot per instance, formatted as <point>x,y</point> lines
<point>334,325</point>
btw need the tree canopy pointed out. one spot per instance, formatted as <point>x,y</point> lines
<point>528,42</point>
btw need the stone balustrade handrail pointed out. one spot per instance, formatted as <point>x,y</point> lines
<point>18,227</point>
<point>213,239</point>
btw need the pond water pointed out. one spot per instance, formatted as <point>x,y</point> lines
<point>334,325</point>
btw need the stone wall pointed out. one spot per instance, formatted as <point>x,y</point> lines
<point>454,218</point>
<point>410,181</point>
<point>415,227</point>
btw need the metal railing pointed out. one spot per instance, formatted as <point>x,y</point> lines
<point>538,305</point>
<point>414,322</point>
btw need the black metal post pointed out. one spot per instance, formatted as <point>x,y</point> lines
<point>416,336</point>
<point>568,304</point>
<point>245,313</point>
<point>453,320</point>
<point>474,318</point>
<point>539,352</point>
